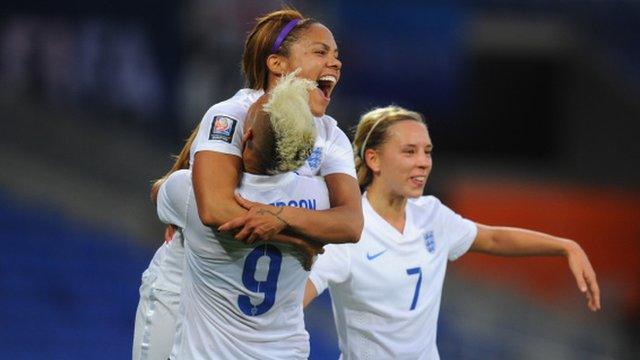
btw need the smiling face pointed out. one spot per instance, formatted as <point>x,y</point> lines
<point>315,52</point>
<point>401,165</point>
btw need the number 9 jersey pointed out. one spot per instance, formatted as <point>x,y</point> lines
<point>241,301</point>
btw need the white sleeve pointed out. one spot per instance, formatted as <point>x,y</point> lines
<point>460,232</point>
<point>219,132</point>
<point>332,267</point>
<point>339,154</point>
<point>173,198</point>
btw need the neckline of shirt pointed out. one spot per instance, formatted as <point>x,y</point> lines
<point>384,224</point>
<point>266,180</point>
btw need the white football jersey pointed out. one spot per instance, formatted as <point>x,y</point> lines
<point>222,126</point>
<point>221,130</point>
<point>386,288</point>
<point>166,265</point>
<point>243,301</point>
<point>168,261</point>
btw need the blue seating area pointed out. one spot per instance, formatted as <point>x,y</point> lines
<point>68,291</point>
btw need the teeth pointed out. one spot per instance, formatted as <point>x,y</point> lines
<point>328,78</point>
<point>420,178</point>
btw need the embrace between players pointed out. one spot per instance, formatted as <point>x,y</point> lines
<point>268,181</point>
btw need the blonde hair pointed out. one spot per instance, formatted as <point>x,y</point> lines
<point>291,120</point>
<point>257,47</point>
<point>181,161</point>
<point>371,132</point>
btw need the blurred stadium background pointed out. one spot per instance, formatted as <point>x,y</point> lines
<point>533,107</point>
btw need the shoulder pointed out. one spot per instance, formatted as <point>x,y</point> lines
<point>173,198</point>
<point>327,121</point>
<point>181,176</point>
<point>177,184</point>
<point>424,203</point>
<point>315,183</point>
<point>329,130</point>
<point>328,125</point>
<point>235,107</point>
<point>427,209</point>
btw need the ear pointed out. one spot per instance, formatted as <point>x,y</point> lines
<point>277,64</point>
<point>372,160</point>
<point>248,135</point>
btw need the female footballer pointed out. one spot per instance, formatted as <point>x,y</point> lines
<point>280,43</point>
<point>386,289</point>
<point>244,301</point>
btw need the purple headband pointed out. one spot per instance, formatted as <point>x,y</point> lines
<point>283,35</point>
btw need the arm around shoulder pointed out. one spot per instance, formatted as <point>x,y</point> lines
<point>342,223</point>
<point>215,178</point>
<point>346,202</point>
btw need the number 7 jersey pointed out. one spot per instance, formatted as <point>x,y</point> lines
<point>386,288</point>
<point>242,301</point>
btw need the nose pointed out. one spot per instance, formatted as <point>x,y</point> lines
<point>335,63</point>
<point>424,161</point>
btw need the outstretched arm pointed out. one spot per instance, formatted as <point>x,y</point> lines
<point>507,241</point>
<point>342,223</point>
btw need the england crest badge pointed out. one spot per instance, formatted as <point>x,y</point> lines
<point>315,158</point>
<point>430,242</point>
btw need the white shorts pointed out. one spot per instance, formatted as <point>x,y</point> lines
<point>155,324</point>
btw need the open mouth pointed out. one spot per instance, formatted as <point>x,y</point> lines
<point>326,84</point>
<point>419,179</point>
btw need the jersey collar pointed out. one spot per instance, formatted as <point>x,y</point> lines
<point>383,225</point>
<point>266,180</point>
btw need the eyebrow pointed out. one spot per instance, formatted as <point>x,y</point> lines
<point>429,146</point>
<point>325,46</point>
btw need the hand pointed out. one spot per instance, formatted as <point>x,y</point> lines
<point>585,276</point>
<point>260,223</point>
<point>169,230</point>
<point>306,249</point>
<point>247,204</point>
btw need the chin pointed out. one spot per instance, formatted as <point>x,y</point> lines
<point>414,193</point>
<point>318,112</point>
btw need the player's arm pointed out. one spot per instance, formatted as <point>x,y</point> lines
<point>507,241</point>
<point>214,191</point>
<point>215,178</point>
<point>342,223</point>
<point>331,268</point>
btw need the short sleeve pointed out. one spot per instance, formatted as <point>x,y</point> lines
<point>220,133</point>
<point>460,233</point>
<point>339,154</point>
<point>332,267</point>
<point>173,197</point>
